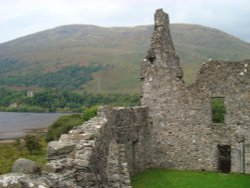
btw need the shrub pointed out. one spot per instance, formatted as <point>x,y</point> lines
<point>89,113</point>
<point>65,123</point>
<point>32,142</point>
<point>62,126</point>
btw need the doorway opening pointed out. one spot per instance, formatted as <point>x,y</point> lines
<point>224,160</point>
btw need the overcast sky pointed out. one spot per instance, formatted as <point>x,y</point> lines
<point>22,17</point>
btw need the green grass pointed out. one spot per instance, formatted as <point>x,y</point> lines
<point>160,178</point>
<point>10,152</point>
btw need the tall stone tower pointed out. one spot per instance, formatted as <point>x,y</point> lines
<point>160,69</point>
<point>161,83</point>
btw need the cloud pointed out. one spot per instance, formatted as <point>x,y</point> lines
<point>22,17</point>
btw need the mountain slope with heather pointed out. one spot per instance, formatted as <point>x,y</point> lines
<point>98,59</point>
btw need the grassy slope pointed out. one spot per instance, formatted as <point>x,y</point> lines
<point>197,44</point>
<point>10,152</point>
<point>157,178</point>
<point>121,48</point>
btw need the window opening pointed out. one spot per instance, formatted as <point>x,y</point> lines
<point>218,110</point>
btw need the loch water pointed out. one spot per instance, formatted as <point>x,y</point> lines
<point>16,125</point>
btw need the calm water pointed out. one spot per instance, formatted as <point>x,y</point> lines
<point>15,125</point>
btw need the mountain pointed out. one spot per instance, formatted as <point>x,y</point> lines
<point>98,59</point>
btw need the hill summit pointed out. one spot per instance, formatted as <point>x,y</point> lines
<point>98,59</point>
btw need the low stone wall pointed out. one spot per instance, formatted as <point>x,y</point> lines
<point>102,152</point>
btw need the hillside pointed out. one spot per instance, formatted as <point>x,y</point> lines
<point>111,56</point>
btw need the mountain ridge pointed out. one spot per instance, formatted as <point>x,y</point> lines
<point>119,49</point>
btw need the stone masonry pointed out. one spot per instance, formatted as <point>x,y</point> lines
<point>172,129</point>
<point>101,153</point>
<point>182,134</point>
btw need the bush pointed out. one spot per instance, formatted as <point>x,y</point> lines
<point>62,126</point>
<point>65,123</point>
<point>89,113</point>
<point>32,142</point>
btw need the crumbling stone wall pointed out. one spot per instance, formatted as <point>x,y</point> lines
<point>103,152</point>
<point>230,80</point>
<point>182,135</point>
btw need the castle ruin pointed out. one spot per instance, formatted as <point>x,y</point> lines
<point>174,127</point>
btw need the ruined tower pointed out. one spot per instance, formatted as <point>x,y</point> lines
<point>162,85</point>
<point>161,64</point>
<point>182,133</point>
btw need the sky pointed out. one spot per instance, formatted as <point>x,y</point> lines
<point>22,17</point>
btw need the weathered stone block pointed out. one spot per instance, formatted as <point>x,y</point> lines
<point>78,163</point>
<point>56,166</point>
<point>26,166</point>
<point>58,148</point>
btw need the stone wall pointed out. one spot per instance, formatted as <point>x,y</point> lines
<point>182,135</point>
<point>102,152</point>
<point>230,80</point>
<point>105,154</point>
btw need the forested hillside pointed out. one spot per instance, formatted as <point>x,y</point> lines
<point>58,100</point>
<point>105,60</point>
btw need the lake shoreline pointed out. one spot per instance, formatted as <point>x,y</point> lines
<point>7,141</point>
<point>15,125</point>
<point>10,139</point>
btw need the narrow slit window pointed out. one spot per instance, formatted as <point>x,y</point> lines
<point>218,110</point>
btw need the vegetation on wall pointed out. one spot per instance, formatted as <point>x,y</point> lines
<point>218,110</point>
<point>89,113</point>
